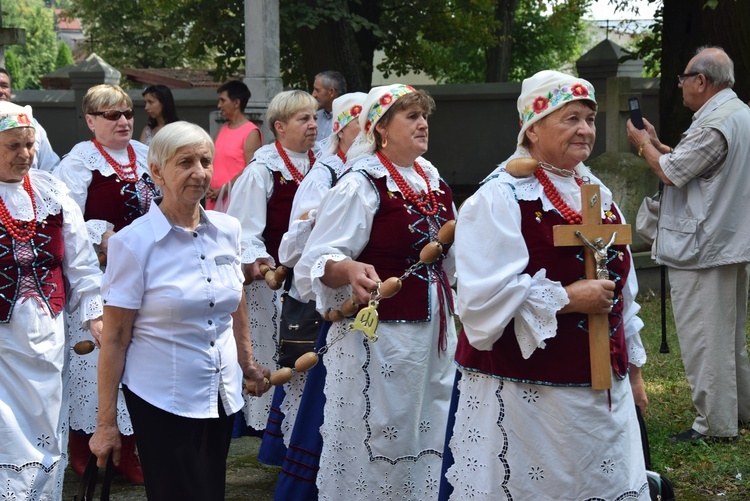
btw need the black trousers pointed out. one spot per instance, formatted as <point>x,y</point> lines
<point>182,458</point>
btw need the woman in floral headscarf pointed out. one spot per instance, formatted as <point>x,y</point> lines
<point>304,392</point>
<point>262,199</point>
<point>528,424</point>
<point>47,264</point>
<point>386,401</point>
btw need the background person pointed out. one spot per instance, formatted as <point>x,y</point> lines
<point>44,157</point>
<point>526,416</point>
<point>262,200</point>
<point>179,349</point>
<point>237,140</point>
<point>386,403</point>
<point>705,244</point>
<point>47,264</point>
<point>108,179</point>
<point>160,108</point>
<point>328,85</point>
<point>322,176</point>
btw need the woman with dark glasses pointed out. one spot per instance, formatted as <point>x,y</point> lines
<point>108,178</point>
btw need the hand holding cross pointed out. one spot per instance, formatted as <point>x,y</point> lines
<point>592,234</point>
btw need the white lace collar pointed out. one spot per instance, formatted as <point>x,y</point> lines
<point>50,195</point>
<point>269,157</point>
<point>372,165</point>
<point>529,188</point>
<point>93,160</point>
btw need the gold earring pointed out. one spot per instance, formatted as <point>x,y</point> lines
<point>384,143</point>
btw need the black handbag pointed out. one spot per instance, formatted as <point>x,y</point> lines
<point>87,487</point>
<point>299,326</point>
<point>659,486</point>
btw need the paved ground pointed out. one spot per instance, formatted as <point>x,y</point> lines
<point>246,477</point>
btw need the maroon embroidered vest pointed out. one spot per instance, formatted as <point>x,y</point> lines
<point>278,212</point>
<point>118,202</point>
<point>399,232</point>
<point>45,266</point>
<point>565,359</point>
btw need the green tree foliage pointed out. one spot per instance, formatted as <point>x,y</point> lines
<point>64,55</point>
<point>37,57</point>
<point>13,67</point>
<point>142,34</point>
<point>444,39</point>
<point>543,41</point>
<point>449,40</point>
<point>681,27</point>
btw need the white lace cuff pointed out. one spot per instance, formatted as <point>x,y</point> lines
<point>304,228</point>
<point>636,351</point>
<point>326,297</point>
<point>90,307</point>
<point>536,319</point>
<point>97,228</point>
<point>252,252</point>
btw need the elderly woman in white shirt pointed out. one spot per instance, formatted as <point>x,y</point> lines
<point>174,308</point>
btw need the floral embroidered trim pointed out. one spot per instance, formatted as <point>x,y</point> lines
<point>346,116</point>
<point>555,97</point>
<point>11,121</point>
<point>385,102</point>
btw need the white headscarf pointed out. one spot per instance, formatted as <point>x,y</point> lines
<point>13,116</point>
<point>379,100</point>
<point>545,92</point>
<point>346,108</point>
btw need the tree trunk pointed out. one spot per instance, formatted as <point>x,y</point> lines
<point>687,26</point>
<point>498,57</point>
<point>726,27</point>
<point>332,46</point>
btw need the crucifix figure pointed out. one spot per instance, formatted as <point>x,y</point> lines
<point>599,248</point>
<point>592,234</point>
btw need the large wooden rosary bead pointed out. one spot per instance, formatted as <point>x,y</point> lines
<point>281,376</point>
<point>333,316</point>
<point>446,234</point>
<point>521,167</point>
<point>306,362</point>
<point>431,252</point>
<point>84,347</point>
<point>280,274</point>
<point>390,287</point>
<point>348,308</point>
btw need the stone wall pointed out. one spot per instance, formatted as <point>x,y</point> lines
<point>474,128</point>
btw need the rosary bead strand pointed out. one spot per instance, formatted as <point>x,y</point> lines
<point>126,172</point>
<point>386,289</point>
<point>420,201</point>
<point>21,231</point>
<point>571,216</point>
<point>296,174</point>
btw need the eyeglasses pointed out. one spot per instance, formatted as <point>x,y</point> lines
<point>113,115</point>
<point>682,76</point>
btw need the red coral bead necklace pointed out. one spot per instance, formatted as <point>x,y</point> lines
<point>341,155</point>
<point>126,172</point>
<point>571,216</point>
<point>296,174</point>
<point>421,201</point>
<point>21,231</point>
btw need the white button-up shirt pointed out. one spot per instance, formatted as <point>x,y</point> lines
<point>185,285</point>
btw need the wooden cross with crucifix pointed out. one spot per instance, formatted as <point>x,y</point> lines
<point>597,238</point>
